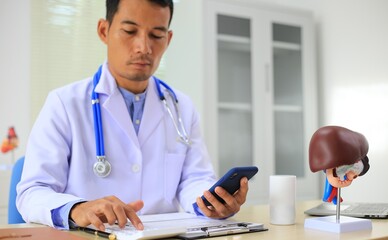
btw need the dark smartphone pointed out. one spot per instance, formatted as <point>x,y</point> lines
<point>231,181</point>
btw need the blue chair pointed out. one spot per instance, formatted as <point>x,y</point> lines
<point>13,213</point>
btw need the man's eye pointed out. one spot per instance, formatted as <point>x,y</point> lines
<point>156,36</point>
<point>129,32</point>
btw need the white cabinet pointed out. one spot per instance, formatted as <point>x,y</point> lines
<point>260,93</point>
<point>250,70</point>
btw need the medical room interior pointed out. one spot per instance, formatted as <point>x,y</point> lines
<point>292,67</point>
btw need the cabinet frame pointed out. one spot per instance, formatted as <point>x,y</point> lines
<point>262,106</point>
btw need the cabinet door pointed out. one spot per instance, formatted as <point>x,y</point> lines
<point>234,84</point>
<point>260,95</point>
<point>288,99</point>
<point>230,111</point>
<point>292,98</point>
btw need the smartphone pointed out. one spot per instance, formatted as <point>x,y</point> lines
<point>231,181</point>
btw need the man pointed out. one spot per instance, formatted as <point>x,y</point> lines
<point>151,172</point>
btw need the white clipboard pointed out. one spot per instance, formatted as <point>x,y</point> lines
<point>184,226</point>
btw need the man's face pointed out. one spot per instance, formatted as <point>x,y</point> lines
<point>136,39</point>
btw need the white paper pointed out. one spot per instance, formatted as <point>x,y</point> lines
<point>169,224</point>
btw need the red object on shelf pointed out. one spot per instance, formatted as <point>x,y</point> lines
<point>10,142</point>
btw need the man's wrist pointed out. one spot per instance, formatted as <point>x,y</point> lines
<point>71,211</point>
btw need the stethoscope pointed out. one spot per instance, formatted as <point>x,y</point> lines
<point>102,167</point>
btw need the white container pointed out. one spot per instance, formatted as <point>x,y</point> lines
<point>282,193</point>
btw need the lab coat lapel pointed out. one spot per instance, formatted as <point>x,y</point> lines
<point>113,102</point>
<point>152,114</point>
<point>116,107</point>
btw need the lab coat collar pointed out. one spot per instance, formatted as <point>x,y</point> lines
<point>107,84</point>
<point>114,103</point>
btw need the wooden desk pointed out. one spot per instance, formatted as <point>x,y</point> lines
<point>260,214</point>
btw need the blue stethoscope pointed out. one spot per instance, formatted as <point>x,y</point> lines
<point>102,167</point>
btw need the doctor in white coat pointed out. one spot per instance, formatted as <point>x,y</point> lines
<point>151,171</point>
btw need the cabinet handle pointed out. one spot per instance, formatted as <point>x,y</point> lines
<point>267,80</point>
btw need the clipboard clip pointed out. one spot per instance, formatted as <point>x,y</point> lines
<point>228,229</point>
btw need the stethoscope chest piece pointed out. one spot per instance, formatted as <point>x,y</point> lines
<point>102,167</point>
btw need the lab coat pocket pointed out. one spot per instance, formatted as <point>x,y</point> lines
<point>173,172</point>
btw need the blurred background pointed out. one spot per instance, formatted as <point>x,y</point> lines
<point>276,69</point>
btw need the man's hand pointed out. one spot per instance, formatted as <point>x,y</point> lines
<point>232,202</point>
<point>107,210</point>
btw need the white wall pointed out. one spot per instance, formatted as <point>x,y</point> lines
<point>15,72</point>
<point>184,69</point>
<point>14,85</point>
<point>354,83</point>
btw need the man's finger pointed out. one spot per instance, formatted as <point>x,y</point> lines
<point>132,216</point>
<point>95,221</point>
<point>137,205</point>
<point>205,210</point>
<point>241,195</point>
<point>110,213</point>
<point>120,215</point>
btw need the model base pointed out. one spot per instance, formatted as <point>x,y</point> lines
<point>346,224</point>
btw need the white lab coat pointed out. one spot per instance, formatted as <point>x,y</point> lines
<point>152,166</point>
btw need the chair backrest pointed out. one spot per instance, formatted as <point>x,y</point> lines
<point>13,213</point>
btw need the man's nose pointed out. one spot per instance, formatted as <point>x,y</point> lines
<point>143,45</point>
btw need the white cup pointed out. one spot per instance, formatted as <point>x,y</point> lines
<point>282,193</point>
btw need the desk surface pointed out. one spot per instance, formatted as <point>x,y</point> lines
<point>260,214</point>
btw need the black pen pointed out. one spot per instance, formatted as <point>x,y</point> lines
<point>99,233</point>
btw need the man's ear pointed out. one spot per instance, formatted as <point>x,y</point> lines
<point>169,36</point>
<point>102,30</point>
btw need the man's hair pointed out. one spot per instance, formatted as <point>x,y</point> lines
<point>112,7</point>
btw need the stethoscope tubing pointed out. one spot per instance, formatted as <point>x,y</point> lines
<point>99,136</point>
<point>102,167</point>
<point>169,89</point>
<point>179,126</point>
